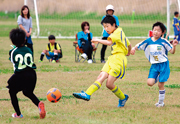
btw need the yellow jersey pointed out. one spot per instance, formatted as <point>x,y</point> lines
<point>52,47</point>
<point>120,42</point>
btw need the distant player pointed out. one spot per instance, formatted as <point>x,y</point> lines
<point>175,24</point>
<point>156,51</point>
<point>53,50</point>
<point>109,11</point>
<point>24,77</point>
<point>115,67</point>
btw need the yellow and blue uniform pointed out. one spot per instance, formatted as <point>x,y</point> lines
<point>176,23</point>
<point>116,64</point>
<point>51,47</point>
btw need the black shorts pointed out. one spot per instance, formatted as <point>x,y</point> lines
<point>25,80</point>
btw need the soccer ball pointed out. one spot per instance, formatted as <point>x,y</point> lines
<point>54,95</point>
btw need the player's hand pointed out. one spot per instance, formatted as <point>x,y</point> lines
<point>94,40</point>
<point>175,42</point>
<point>27,34</point>
<point>87,31</point>
<point>129,53</point>
<point>133,50</point>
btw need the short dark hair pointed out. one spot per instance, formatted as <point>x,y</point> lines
<point>83,25</point>
<point>17,37</point>
<point>161,25</point>
<point>51,37</point>
<point>176,12</point>
<point>109,19</point>
<point>23,7</point>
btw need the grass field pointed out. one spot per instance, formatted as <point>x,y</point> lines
<point>69,77</point>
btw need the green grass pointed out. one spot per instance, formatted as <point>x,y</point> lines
<point>69,77</point>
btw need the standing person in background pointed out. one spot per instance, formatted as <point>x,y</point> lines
<point>175,24</point>
<point>25,23</point>
<point>109,11</point>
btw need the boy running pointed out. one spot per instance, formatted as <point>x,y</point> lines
<point>115,67</point>
<point>24,77</point>
<point>156,50</point>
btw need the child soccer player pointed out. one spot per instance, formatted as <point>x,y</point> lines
<point>156,50</point>
<point>53,51</point>
<point>109,11</point>
<point>115,67</point>
<point>24,77</point>
<point>176,26</point>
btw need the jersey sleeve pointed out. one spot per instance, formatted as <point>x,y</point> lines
<point>167,45</point>
<point>30,26</point>
<point>117,21</point>
<point>19,21</point>
<point>142,45</point>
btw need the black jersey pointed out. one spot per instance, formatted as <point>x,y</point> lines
<point>22,57</point>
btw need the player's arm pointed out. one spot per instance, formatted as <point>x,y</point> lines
<point>129,50</point>
<point>175,42</point>
<point>105,42</point>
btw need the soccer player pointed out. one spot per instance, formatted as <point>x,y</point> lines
<point>175,24</point>
<point>115,67</point>
<point>24,77</point>
<point>156,51</point>
<point>53,50</point>
<point>109,11</point>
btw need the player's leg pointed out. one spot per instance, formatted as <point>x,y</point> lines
<point>116,90</point>
<point>31,78</point>
<point>55,57</point>
<point>94,87</point>
<point>164,75</point>
<point>13,85</point>
<point>153,75</point>
<point>44,52</point>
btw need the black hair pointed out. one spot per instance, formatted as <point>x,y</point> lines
<point>176,12</point>
<point>83,24</point>
<point>51,37</point>
<point>17,37</point>
<point>161,25</point>
<point>109,19</point>
<point>23,8</point>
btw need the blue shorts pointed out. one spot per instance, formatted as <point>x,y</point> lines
<point>161,69</point>
<point>51,55</point>
<point>176,32</point>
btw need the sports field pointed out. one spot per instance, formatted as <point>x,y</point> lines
<point>69,77</point>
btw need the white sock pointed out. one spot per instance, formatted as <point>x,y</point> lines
<point>161,96</point>
<point>42,53</point>
<point>55,53</point>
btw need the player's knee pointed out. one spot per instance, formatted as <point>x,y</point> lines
<point>150,84</point>
<point>109,86</point>
<point>26,93</point>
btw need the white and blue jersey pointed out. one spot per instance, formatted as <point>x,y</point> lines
<point>105,34</point>
<point>155,51</point>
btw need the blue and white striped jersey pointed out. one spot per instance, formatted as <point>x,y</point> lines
<point>155,51</point>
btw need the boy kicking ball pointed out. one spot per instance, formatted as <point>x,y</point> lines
<point>156,51</point>
<point>115,67</point>
<point>24,77</point>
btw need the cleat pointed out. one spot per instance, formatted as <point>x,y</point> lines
<point>103,61</point>
<point>122,102</point>
<point>53,61</point>
<point>14,115</point>
<point>82,95</point>
<point>39,61</point>
<point>42,112</point>
<point>160,105</point>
